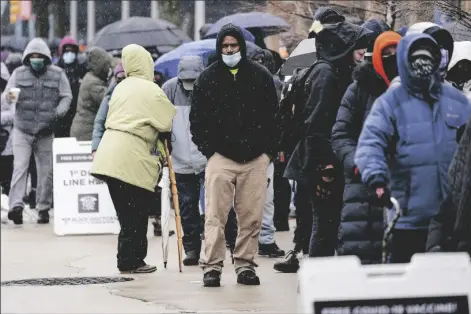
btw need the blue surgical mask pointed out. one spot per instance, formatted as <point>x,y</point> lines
<point>36,63</point>
<point>232,60</point>
<point>69,57</point>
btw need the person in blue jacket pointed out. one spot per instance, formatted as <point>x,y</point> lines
<point>408,141</point>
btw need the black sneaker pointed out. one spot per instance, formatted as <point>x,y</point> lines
<point>212,279</point>
<point>289,265</point>
<point>43,217</point>
<point>145,269</point>
<point>270,250</point>
<point>16,214</point>
<point>248,278</point>
<point>191,259</point>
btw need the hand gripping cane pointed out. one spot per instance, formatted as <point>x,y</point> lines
<point>178,219</point>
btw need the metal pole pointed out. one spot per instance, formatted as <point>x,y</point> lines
<point>154,9</point>
<point>32,26</point>
<point>124,9</point>
<point>73,18</point>
<point>200,17</point>
<point>90,21</point>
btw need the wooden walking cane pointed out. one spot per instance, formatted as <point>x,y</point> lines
<point>178,219</point>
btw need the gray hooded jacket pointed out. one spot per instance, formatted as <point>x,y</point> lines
<point>44,97</point>
<point>186,158</point>
<point>91,93</point>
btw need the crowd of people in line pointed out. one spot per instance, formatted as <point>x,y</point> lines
<point>378,114</point>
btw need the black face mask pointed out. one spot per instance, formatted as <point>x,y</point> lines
<point>390,66</point>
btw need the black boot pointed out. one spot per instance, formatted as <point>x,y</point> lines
<point>43,216</point>
<point>16,215</point>
<point>248,278</point>
<point>212,279</point>
<point>191,259</point>
<point>32,198</point>
<point>289,265</point>
<point>270,250</point>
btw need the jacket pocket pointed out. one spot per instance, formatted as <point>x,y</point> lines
<point>51,91</point>
<point>401,190</point>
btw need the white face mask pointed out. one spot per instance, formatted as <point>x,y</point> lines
<point>69,57</point>
<point>232,60</point>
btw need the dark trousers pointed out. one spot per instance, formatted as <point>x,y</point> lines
<point>230,232</point>
<point>406,243</point>
<point>6,171</point>
<point>132,208</point>
<point>189,186</point>
<point>33,173</point>
<point>302,233</point>
<point>282,197</point>
<point>325,222</point>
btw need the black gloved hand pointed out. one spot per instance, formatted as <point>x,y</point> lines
<point>166,136</point>
<point>380,196</point>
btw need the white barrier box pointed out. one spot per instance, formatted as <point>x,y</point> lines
<point>82,204</point>
<point>438,283</point>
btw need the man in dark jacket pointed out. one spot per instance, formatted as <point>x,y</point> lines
<point>232,123</point>
<point>361,225</point>
<point>408,141</point>
<point>313,162</point>
<point>44,98</point>
<point>75,71</point>
<point>328,78</point>
<point>450,229</point>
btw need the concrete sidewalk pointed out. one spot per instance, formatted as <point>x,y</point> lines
<point>33,251</point>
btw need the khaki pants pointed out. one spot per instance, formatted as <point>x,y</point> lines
<point>229,183</point>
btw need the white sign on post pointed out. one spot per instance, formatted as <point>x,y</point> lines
<point>82,204</point>
<point>438,283</point>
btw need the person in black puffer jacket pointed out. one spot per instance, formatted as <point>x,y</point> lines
<point>450,229</point>
<point>361,225</point>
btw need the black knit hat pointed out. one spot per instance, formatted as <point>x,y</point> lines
<point>377,27</point>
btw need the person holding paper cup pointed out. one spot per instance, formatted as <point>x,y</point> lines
<point>42,94</point>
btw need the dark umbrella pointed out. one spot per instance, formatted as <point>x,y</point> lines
<point>303,56</point>
<point>270,24</point>
<point>143,31</point>
<point>13,43</point>
<point>167,64</point>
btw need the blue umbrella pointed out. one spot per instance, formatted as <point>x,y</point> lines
<point>167,64</point>
<point>270,24</point>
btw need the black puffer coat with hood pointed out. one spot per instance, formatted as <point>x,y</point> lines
<point>234,115</point>
<point>329,78</point>
<point>361,225</point>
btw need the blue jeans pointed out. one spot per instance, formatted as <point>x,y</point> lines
<point>188,186</point>
<point>267,234</point>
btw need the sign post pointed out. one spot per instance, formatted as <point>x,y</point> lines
<point>82,204</point>
<point>438,283</point>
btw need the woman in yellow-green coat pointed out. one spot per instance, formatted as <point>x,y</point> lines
<point>138,111</point>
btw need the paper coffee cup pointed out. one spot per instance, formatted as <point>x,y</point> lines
<point>16,92</point>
